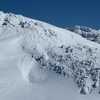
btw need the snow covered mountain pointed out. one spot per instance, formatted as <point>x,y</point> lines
<point>39,61</point>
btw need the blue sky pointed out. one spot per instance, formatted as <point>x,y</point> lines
<point>62,13</point>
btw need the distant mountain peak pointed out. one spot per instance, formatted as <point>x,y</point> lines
<point>86,32</point>
<point>82,28</point>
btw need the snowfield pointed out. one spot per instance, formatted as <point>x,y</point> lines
<point>39,61</point>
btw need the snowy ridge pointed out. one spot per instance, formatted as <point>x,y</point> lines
<point>86,32</point>
<point>37,50</point>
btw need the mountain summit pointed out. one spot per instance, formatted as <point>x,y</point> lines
<point>42,61</point>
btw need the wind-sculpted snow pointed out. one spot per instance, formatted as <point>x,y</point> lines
<point>31,70</point>
<point>77,62</point>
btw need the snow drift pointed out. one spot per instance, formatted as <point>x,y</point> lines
<point>31,70</point>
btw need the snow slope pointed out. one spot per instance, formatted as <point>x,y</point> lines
<point>33,52</point>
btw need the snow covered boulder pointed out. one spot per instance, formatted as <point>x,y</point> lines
<point>85,90</point>
<point>31,70</point>
<point>87,85</point>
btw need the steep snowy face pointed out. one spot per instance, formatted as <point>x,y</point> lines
<point>22,36</point>
<point>42,48</point>
<point>34,34</point>
<point>86,32</point>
